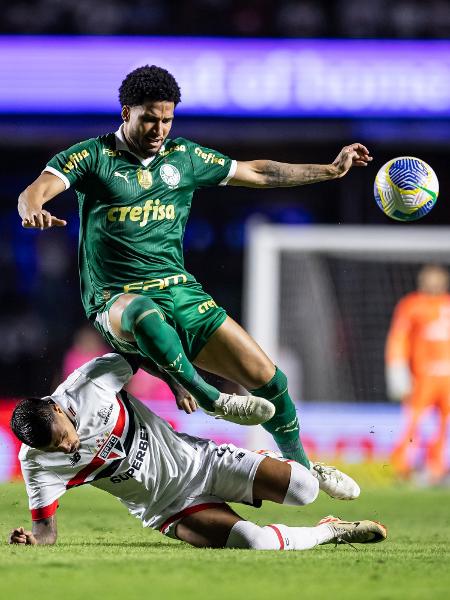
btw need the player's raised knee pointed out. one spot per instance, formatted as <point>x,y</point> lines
<point>139,310</point>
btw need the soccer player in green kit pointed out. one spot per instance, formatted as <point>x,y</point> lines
<point>134,189</point>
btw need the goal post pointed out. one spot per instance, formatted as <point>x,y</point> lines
<point>319,299</point>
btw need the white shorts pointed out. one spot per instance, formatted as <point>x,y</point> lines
<point>230,479</point>
<point>103,324</point>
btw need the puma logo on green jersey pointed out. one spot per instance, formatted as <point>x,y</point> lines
<point>152,210</point>
<point>124,176</point>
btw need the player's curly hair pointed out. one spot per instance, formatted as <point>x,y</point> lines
<point>31,421</point>
<point>149,83</point>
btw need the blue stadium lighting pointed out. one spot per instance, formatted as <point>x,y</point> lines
<point>231,77</point>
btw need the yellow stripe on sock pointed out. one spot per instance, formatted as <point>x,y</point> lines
<point>146,313</point>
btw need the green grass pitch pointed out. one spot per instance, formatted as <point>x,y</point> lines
<point>104,553</point>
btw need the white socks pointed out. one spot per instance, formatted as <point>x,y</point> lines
<point>245,534</point>
<point>303,486</point>
<point>303,489</point>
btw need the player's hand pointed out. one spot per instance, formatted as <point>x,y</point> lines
<point>183,398</point>
<point>41,219</point>
<point>398,381</point>
<point>20,536</point>
<point>354,155</point>
<point>188,403</point>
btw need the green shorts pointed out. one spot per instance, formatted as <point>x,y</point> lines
<point>186,307</point>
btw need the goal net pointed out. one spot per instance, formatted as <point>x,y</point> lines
<point>319,299</point>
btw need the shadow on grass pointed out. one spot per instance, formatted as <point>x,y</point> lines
<point>159,545</point>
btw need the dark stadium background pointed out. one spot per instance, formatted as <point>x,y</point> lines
<point>334,307</point>
<point>39,295</point>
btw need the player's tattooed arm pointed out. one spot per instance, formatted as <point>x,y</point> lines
<point>33,198</point>
<point>44,532</point>
<point>269,173</point>
<point>274,174</point>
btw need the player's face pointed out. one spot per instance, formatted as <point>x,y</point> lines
<point>64,435</point>
<point>147,126</point>
<point>433,280</point>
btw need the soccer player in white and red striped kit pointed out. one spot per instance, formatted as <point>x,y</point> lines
<point>90,431</point>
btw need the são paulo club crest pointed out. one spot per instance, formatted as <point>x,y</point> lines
<point>112,449</point>
<point>170,175</point>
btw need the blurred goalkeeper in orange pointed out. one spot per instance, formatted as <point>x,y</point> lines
<point>418,367</point>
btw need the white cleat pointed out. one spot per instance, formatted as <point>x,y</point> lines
<point>335,483</point>
<point>243,410</point>
<point>354,532</point>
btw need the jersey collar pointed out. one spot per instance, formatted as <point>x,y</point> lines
<point>121,144</point>
<point>68,408</point>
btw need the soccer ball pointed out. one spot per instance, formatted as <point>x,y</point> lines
<point>406,188</point>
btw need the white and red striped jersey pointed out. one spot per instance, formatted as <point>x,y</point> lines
<point>125,449</point>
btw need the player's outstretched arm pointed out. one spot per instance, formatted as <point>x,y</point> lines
<point>44,533</point>
<point>33,198</point>
<point>268,173</point>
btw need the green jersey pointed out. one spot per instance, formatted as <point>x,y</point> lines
<point>133,211</point>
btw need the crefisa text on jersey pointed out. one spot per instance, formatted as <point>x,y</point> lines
<point>138,459</point>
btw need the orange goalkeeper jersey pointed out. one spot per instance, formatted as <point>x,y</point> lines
<point>420,334</point>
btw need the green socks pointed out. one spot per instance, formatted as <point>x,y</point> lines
<point>157,340</point>
<point>283,426</point>
<point>160,342</point>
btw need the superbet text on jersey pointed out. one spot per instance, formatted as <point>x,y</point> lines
<point>133,211</point>
<point>131,453</point>
<point>120,441</point>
